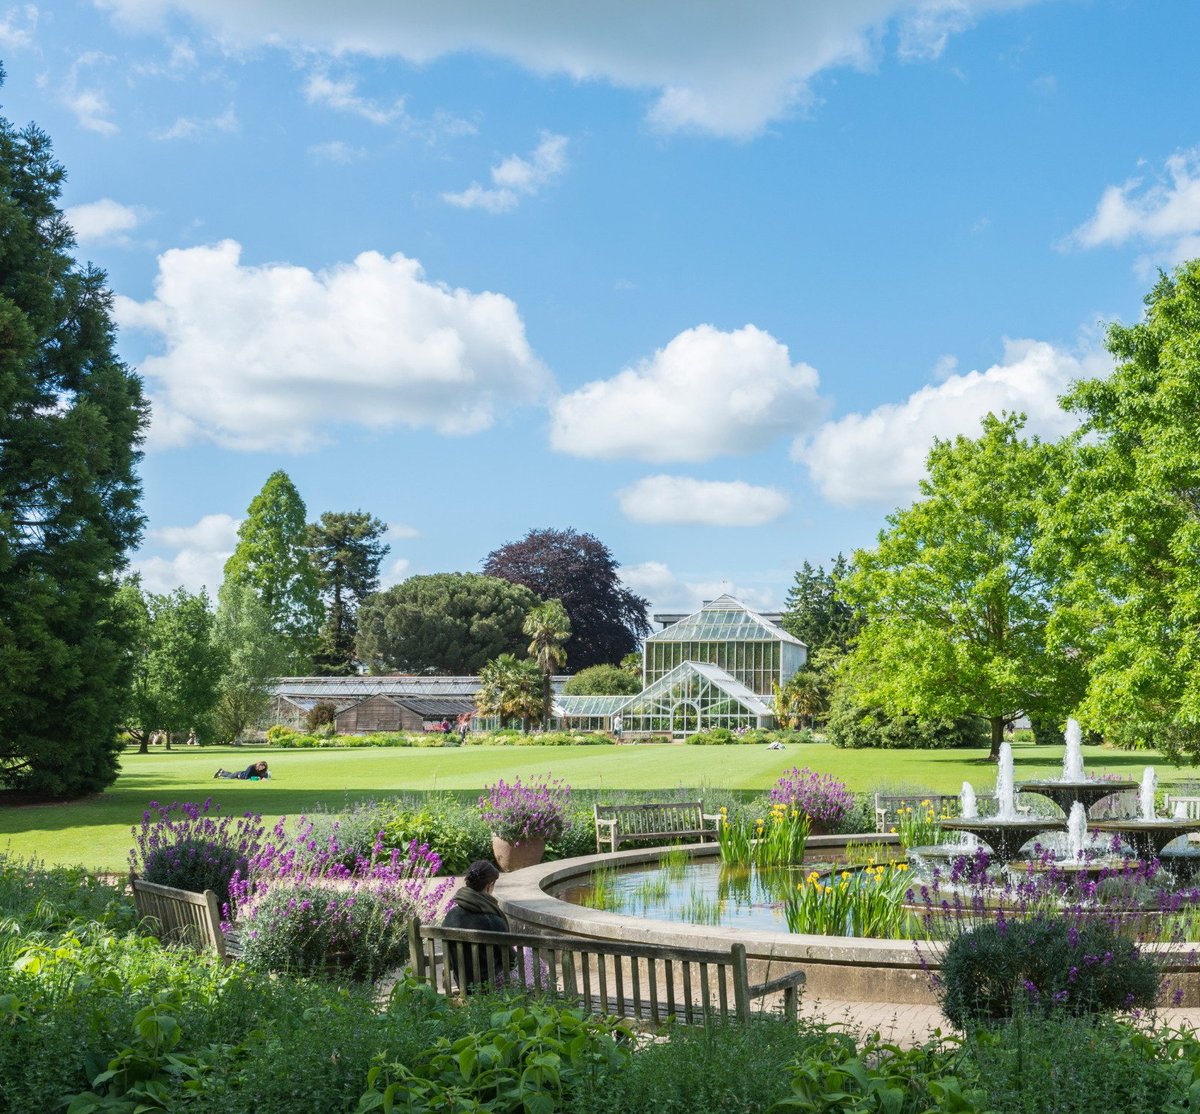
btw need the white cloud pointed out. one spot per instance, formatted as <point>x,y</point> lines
<point>196,555</point>
<point>399,531</point>
<point>189,127</point>
<point>395,572</point>
<point>17,27</point>
<point>91,111</point>
<point>104,221</point>
<point>681,500</point>
<point>515,178</point>
<point>671,592</point>
<point>341,95</point>
<point>879,457</point>
<point>706,394</point>
<point>275,356</point>
<point>336,151</point>
<point>729,73</point>
<point>1163,213</point>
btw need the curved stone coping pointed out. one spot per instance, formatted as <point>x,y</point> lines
<point>523,897</point>
<point>895,971</point>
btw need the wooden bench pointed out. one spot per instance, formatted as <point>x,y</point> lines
<point>639,982</point>
<point>888,804</point>
<point>1191,805</point>
<point>655,823</point>
<point>181,916</point>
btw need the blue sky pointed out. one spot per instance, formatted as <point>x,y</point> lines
<point>702,279</point>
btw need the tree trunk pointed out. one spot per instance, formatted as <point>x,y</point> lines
<point>997,723</point>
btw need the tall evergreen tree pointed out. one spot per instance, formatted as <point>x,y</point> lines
<point>346,551</point>
<point>272,559</point>
<point>816,613</point>
<point>71,421</point>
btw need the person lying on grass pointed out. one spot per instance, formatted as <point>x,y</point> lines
<point>256,771</point>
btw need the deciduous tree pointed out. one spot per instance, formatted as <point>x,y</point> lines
<point>443,623</point>
<point>957,594</point>
<point>607,619</point>
<point>254,654</point>
<point>1128,527</point>
<point>603,680</point>
<point>71,421</point>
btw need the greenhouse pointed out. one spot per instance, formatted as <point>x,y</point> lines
<point>695,696</point>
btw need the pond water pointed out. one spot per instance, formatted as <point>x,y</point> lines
<point>702,892</point>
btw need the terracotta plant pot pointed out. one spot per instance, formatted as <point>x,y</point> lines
<point>514,856</point>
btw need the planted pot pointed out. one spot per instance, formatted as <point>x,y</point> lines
<point>515,856</point>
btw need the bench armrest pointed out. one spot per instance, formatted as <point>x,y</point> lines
<point>773,986</point>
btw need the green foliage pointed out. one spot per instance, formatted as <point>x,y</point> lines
<point>1128,526</point>
<point>532,1058</point>
<point>177,664</point>
<point>510,688</point>
<point>607,619</point>
<point>346,549</point>
<point>1043,965</point>
<point>549,630</point>
<point>958,593</point>
<point>776,839</point>
<point>867,902</point>
<point>445,623</point>
<point>455,831</point>
<point>855,725</point>
<point>815,611</point>
<point>255,653</point>
<point>271,558</point>
<point>321,713</point>
<point>71,421</point>
<point>603,680</point>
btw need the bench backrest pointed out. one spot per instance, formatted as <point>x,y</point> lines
<point>625,980</point>
<point>1191,805</point>
<point>182,917</point>
<point>661,816</point>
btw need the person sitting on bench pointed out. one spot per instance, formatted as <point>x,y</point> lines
<point>474,907</point>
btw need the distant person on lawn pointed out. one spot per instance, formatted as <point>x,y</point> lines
<point>256,771</point>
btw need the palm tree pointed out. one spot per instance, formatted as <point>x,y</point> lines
<point>548,627</point>
<point>509,689</point>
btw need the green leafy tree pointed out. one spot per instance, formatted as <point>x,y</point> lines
<point>271,558</point>
<point>178,666</point>
<point>607,619</point>
<point>548,629</point>
<point>801,698</point>
<point>815,610</point>
<point>346,550</point>
<point>957,595</point>
<point>443,623</point>
<point>254,654</point>
<point>71,421</point>
<point>511,688</point>
<point>1128,527</point>
<point>603,680</point>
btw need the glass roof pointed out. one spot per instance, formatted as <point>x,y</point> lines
<point>723,620</point>
<point>589,705</point>
<point>713,675</point>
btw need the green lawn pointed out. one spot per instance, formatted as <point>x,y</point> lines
<point>96,832</point>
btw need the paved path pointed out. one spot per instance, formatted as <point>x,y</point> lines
<point>909,1025</point>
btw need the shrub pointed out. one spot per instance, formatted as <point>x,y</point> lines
<point>455,832</point>
<point>300,909</point>
<point>821,797</point>
<point>355,830</point>
<point>191,847</point>
<point>853,725</point>
<point>536,810</point>
<point>1076,965</point>
<point>279,731</point>
<point>321,714</point>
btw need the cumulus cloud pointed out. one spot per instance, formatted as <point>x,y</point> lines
<point>342,96</point>
<point>707,393</point>
<point>1162,212</point>
<point>195,555</point>
<point>668,591</point>
<point>515,178</point>
<point>729,73</point>
<point>682,500</point>
<point>104,221</point>
<point>273,356</point>
<point>879,457</point>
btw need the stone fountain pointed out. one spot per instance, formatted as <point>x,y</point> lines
<point>1007,832</point>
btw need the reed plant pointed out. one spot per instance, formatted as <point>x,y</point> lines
<point>920,825</point>
<point>778,839</point>
<point>867,902</point>
<point>674,863</point>
<point>701,909</point>
<point>603,894</point>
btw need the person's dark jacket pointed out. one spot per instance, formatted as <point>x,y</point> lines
<point>476,909</point>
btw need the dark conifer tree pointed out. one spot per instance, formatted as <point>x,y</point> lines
<point>71,420</point>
